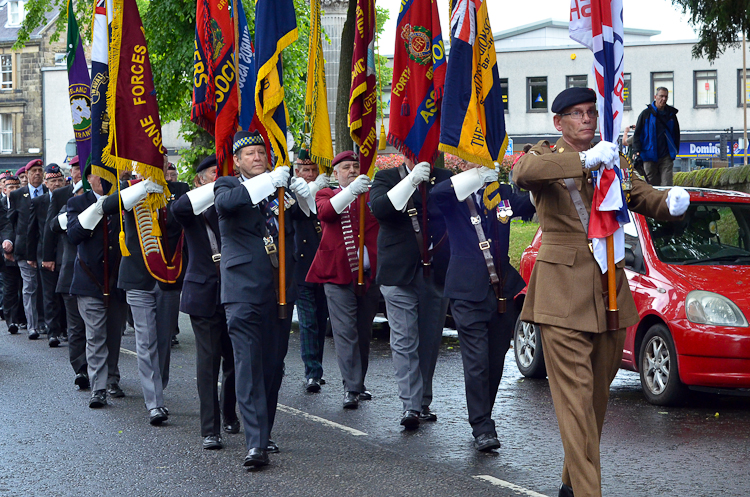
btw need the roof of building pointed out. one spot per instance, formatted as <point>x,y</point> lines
<point>550,23</point>
<point>11,33</point>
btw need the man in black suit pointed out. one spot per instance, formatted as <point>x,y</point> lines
<point>101,305</point>
<point>249,261</point>
<point>12,283</point>
<point>60,255</point>
<point>413,295</point>
<point>201,299</point>
<point>16,242</point>
<point>54,315</point>
<point>312,308</point>
<point>151,277</point>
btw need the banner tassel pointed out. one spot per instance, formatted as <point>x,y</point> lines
<point>382,144</point>
<point>155,230</point>
<point>123,247</point>
<point>405,111</point>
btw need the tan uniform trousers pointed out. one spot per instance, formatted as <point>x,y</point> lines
<point>580,368</point>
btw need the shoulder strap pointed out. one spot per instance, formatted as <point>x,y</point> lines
<point>484,246</point>
<point>575,196</point>
<point>412,212</point>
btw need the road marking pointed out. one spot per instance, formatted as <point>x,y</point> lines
<point>311,417</point>
<point>506,484</point>
<point>128,351</point>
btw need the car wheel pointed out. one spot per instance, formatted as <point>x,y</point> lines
<point>660,377</point>
<point>527,347</point>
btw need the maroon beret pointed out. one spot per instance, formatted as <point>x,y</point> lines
<point>343,157</point>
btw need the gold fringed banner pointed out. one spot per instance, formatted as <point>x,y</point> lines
<point>316,98</point>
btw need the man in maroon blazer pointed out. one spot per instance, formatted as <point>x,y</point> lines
<point>336,267</point>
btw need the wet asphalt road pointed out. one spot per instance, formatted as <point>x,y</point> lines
<point>51,443</point>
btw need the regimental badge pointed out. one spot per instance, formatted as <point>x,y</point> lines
<point>288,202</point>
<point>504,211</point>
<point>80,108</point>
<point>417,40</point>
<point>627,173</point>
<point>216,39</point>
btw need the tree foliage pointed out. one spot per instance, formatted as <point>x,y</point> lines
<point>720,24</point>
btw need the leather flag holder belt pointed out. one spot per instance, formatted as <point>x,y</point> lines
<point>484,246</point>
<point>412,212</point>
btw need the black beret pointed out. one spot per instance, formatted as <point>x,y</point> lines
<point>246,138</point>
<point>206,163</point>
<point>572,96</point>
<point>52,171</point>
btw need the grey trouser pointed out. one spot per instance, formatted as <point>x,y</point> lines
<point>76,333</point>
<point>351,322</point>
<point>659,173</point>
<point>416,315</point>
<point>103,335</point>
<point>155,315</point>
<point>30,288</point>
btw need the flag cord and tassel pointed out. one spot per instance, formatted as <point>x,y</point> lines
<point>282,257</point>
<point>383,141</point>
<point>123,246</point>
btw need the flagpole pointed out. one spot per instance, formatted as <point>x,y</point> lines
<point>426,263</point>
<point>282,257</point>
<point>613,314</point>
<point>237,58</point>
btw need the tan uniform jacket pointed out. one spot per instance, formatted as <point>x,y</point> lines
<point>565,288</point>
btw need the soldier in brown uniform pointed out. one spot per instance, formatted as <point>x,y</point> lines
<point>581,356</point>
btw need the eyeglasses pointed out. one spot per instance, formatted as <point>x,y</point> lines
<point>578,115</point>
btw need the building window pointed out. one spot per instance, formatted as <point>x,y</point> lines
<point>6,71</point>
<point>665,80</point>
<point>6,133</point>
<point>536,94</point>
<point>504,90</point>
<point>581,81</point>
<point>739,88</point>
<point>626,103</point>
<point>704,89</point>
<point>61,59</point>
<point>16,12</point>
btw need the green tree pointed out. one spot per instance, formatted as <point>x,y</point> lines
<point>719,23</point>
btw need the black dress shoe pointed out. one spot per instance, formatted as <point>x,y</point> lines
<point>312,385</point>
<point>33,335</point>
<point>53,341</point>
<point>410,420</point>
<point>12,328</point>
<point>212,442</point>
<point>565,491</point>
<point>272,447</point>
<point>175,342</point>
<point>486,442</point>
<point>351,400</point>
<point>114,390</point>
<point>256,458</point>
<point>82,381</point>
<point>427,414</point>
<point>98,399</point>
<point>157,416</point>
<point>232,427</point>
<point>365,395</point>
<point>322,381</point>
<point>43,329</point>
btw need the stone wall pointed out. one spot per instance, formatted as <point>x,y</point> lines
<point>724,178</point>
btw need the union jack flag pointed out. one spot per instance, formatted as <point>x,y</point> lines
<point>597,24</point>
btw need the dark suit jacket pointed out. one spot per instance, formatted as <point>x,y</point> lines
<point>35,232</point>
<point>133,272</point>
<point>331,264</point>
<point>3,227</point>
<point>398,252</point>
<point>18,226</point>
<point>91,248</point>
<point>53,242</point>
<point>246,271</point>
<point>467,277</point>
<point>67,254</point>
<point>307,233</point>
<point>200,288</point>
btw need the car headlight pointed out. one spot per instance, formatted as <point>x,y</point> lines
<point>711,308</point>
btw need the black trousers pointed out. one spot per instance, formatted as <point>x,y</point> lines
<point>12,303</point>
<point>76,334</point>
<point>485,338</point>
<point>212,344</point>
<point>54,308</point>
<point>260,341</point>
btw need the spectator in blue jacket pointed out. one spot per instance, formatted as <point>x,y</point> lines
<point>657,139</point>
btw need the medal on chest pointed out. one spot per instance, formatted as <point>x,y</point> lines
<point>504,211</point>
<point>288,202</point>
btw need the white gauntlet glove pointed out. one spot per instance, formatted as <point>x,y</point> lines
<point>305,200</point>
<point>201,198</point>
<point>152,187</point>
<point>280,176</point>
<point>89,218</point>
<point>467,182</point>
<point>602,153</point>
<point>263,185</point>
<point>342,199</point>
<point>399,195</point>
<point>678,200</point>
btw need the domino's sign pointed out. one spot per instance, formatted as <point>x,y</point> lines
<point>706,149</point>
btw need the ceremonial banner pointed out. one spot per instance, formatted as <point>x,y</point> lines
<point>316,98</point>
<point>99,87</point>
<point>215,99</point>
<point>135,127</point>
<point>79,90</point>
<point>275,29</point>
<point>418,81</point>
<point>473,98</point>
<point>597,24</point>
<point>363,98</point>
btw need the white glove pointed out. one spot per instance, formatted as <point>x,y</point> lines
<point>488,175</point>
<point>420,173</point>
<point>322,181</point>
<point>300,189</point>
<point>280,176</point>
<point>602,153</point>
<point>63,220</point>
<point>152,187</point>
<point>201,198</point>
<point>99,209</point>
<point>360,185</point>
<point>467,182</point>
<point>133,194</point>
<point>90,217</point>
<point>678,200</point>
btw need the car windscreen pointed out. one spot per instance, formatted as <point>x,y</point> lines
<point>710,233</point>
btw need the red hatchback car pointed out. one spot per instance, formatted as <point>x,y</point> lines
<point>690,281</point>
